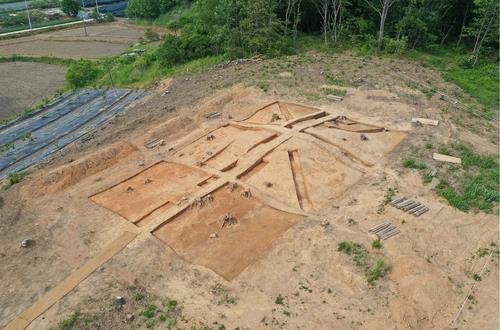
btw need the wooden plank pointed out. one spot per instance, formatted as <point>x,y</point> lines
<point>334,98</point>
<point>446,158</point>
<point>399,200</point>
<point>395,232</point>
<point>68,284</point>
<point>422,211</point>
<point>17,324</point>
<point>425,121</point>
<point>379,227</point>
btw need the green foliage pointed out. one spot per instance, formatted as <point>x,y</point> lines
<point>82,73</point>
<point>149,8</point>
<point>279,300</point>
<point>70,7</point>
<point>150,35</point>
<point>413,164</point>
<point>357,251</point>
<point>395,46</point>
<point>362,259</point>
<point>477,188</point>
<point>376,244</point>
<point>68,323</point>
<point>377,271</point>
<point>150,311</point>
<point>233,28</point>
<point>14,178</point>
<point>476,277</point>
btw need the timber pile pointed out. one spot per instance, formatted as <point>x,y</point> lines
<point>410,206</point>
<point>385,230</point>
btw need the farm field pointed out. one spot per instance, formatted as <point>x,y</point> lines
<point>101,41</point>
<point>25,84</point>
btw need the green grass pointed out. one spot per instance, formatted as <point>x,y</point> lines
<point>481,81</point>
<point>15,178</point>
<point>377,271</point>
<point>149,311</point>
<point>357,251</point>
<point>172,19</point>
<point>68,323</point>
<point>333,91</point>
<point>376,244</point>
<point>362,258</point>
<point>413,164</point>
<point>477,187</point>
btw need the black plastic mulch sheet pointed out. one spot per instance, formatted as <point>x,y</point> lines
<point>29,139</point>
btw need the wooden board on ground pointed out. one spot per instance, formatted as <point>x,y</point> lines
<point>446,158</point>
<point>425,121</point>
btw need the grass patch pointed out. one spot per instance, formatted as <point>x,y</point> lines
<point>14,178</point>
<point>413,164</point>
<point>363,259</point>
<point>68,323</point>
<point>279,300</point>
<point>376,244</point>
<point>149,311</point>
<point>333,91</point>
<point>475,185</point>
<point>377,271</point>
<point>263,84</point>
<point>480,81</point>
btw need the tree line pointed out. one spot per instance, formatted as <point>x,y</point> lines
<point>246,27</point>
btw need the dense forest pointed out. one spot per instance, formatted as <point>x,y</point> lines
<point>238,28</point>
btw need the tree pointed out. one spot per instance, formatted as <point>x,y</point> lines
<point>82,73</point>
<point>70,7</point>
<point>336,18</point>
<point>485,17</point>
<point>149,9</point>
<point>382,8</point>
<point>323,8</point>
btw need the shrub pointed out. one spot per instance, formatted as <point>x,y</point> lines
<point>150,35</point>
<point>395,46</point>
<point>467,62</point>
<point>70,7</point>
<point>171,51</point>
<point>82,73</point>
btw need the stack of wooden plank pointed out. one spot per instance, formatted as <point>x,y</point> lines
<point>410,206</point>
<point>385,230</point>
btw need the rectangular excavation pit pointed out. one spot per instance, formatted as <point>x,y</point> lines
<point>222,148</point>
<point>278,113</point>
<point>198,234</point>
<point>159,186</point>
<point>302,175</point>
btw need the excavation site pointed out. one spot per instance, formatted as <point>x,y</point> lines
<point>205,202</point>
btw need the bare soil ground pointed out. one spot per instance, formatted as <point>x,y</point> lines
<point>314,182</point>
<point>22,85</point>
<point>102,40</point>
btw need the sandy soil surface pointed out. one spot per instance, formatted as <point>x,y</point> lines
<point>319,193</point>
<point>22,85</point>
<point>102,40</point>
